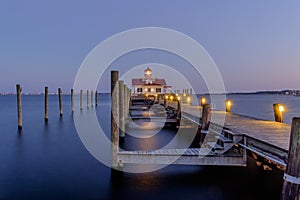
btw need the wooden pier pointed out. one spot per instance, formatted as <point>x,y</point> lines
<point>230,143</point>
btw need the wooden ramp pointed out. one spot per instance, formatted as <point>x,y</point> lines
<point>190,156</point>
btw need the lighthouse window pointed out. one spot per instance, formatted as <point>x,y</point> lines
<point>139,90</point>
<point>158,89</point>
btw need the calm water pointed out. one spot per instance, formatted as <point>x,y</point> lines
<point>50,162</point>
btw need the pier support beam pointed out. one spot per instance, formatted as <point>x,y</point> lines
<point>19,106</point>
<point>121,111</point>
<point>291,185</point>
<point>114,118</point>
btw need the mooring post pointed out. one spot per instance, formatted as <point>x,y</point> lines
<point>125,104</point>
<point>72,100</point>
<point>81,99</point>
<point>278,109</point>
<point>19,105</point>
<point>60,102</point>
<point>191,95</point>
<point>121,110</point>
<point>92,98</point>
<point>178,112</point>
<point>166,97</point>
<point>46,104</point>
<point>291,185</point>
<point>130,102</point>
<point>87,98</point>
<point>206,115</point>
<point>96,98</point>
<point>114,118</point>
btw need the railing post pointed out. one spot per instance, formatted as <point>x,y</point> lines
<point>291,185</point>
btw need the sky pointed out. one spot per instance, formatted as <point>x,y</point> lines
<point>255,44</point>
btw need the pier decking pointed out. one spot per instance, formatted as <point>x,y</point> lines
<point>273,133</point>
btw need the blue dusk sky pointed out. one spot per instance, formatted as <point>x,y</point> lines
<point>255,44</point>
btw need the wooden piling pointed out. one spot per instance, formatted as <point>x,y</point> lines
<point>126,102</point>
<point>81,99</point>
<point>46,104</point>
<point>278,113</point>
<point>166,102</point>
<point>291,185</point>
<point>19,105</point>
<point>60,102</point>
<point>191,95</point>
<point>121,110</point>
<point>87,98</point>
<point>72,99</point>
<point>178,112</point>
<point>114,118</point>
<point>96,98</point>
<point>92,98</point>
<point>206,114</point>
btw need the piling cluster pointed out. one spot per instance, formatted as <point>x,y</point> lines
<point>46,94</point>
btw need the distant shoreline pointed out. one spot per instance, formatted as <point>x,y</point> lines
<point>282,92</point>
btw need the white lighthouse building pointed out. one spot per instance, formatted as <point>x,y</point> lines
<point>150,85</point>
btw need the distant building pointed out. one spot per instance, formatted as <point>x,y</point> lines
<point>150,85</point>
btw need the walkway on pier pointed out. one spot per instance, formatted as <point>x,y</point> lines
<point>273,133</point>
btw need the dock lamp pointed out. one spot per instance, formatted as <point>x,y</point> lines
<point>188,100</point>
<point>203,101</point>
<point>278,112</point>
<point>228,105</point>
<point>171,98</point>
<point>167,97</point>
<point>178,98</point>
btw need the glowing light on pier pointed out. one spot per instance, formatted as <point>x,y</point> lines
<point>166,97</point>
<point>188,100</point>
<point>281,108</point>
<point>228,104</point>
<point>203,101</point>
<point>171,98</point>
